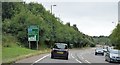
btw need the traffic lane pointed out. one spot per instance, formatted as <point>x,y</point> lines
<point>46,58</point>
<point>71,59</point>
<point>88,56</point>
<point>32,59</point>
<point>92,58</point>
<point>75,56</point>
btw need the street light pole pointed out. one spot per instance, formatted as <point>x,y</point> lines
<point>53,27</point>
<point>52,7</point>
<point>114,23</point>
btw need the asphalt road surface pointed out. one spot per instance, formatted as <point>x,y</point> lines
<point>75,56</point>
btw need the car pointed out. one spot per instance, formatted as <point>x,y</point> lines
<point>105,50</point>
<point>113,56</point>
<point>60,50</point>
<point>99,51</point>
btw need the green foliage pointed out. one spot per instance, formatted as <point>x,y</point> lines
<point>9,41</point>
<point>103,40</point>
<point>115,36</point>
<point>20,16</point>
<point>92,45</point>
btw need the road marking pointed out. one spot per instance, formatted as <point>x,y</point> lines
<point>87,61</point>
<point>40,59</point>
<point>72,56</point>
<point>82,57</point>
<point>78,61</point>
<point>75,59</point>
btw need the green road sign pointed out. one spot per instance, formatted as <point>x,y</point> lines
<point>33,33</point>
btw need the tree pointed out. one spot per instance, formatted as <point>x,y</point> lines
<point>115,36</point>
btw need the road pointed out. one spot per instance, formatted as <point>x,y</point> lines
<point>75,56</point>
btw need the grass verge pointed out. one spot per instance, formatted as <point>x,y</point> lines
<point>12,54</point>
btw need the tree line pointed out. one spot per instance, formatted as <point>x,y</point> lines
<point>115,37</point>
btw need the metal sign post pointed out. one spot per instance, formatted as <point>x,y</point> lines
<point>29,45</point>
<point>33,35</point>
<point>37,45</point>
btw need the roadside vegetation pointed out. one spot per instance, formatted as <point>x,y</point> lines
<point>102,40</point>
<point>18,16</point>
<point>115,37</point>
<point>12,50</point>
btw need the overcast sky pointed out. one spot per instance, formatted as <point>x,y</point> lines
<point>92,18</point>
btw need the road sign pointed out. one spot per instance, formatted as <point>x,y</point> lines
<point>33,33</point>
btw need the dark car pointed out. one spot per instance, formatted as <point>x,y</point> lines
<point>99,51</point>
<point>113,56</point>
<point>60,50</point>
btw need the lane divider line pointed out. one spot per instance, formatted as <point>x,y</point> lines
<point>78,61</point>
<point>82,57</point>
<point>40,59</point>
<point>75,59</point>
<point>87,61</point>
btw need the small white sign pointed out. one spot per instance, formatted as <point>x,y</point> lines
<point>32,38</point>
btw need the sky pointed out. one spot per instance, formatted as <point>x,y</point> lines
<point>119,11</point>
<point>93,18</point>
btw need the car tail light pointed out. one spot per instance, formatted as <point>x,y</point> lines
<point>53,49</point>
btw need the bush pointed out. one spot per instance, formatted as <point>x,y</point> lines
<point>92,45</point>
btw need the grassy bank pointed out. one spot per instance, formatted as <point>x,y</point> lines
<point>11,54</point>
<point>12,50</point>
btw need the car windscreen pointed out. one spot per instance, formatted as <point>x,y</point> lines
<point>115,52</point>
<point>99,49</point>
<point>60,46</point>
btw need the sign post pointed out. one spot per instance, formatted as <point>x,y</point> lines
<point>33,35</point>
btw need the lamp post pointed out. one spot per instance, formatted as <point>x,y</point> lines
<point>114,23</point>
<point>52,7</point>
<point>53,27</point>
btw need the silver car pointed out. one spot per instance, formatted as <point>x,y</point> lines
<point>99,51</point>
<point>113,56</point>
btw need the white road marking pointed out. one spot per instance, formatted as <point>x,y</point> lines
<point>78,61</point>
<point>84,59</point>
<point>72,56</point>
<point>75,59</point>
<point>87,61</point>
<point>40,59</point>
<point>81,56</point>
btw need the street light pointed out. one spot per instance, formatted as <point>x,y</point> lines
<point>52,7</point>
<point>53,27</point>
<point>114,23</point>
